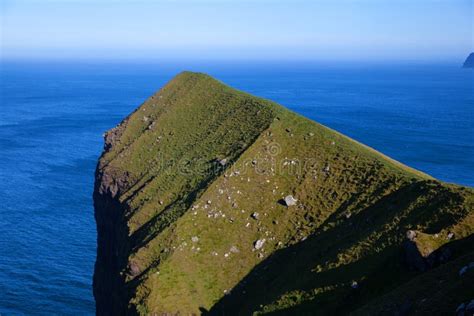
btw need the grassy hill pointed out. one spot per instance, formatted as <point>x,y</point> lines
<point>191,216</point>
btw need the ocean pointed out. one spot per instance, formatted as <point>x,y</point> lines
<point>53,115</point>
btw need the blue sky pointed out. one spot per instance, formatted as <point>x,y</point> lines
<point>232,29</point>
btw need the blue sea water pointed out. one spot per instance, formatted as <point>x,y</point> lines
<point>52,116</point>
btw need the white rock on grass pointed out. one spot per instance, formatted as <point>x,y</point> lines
<point>411,235</point>
<point>259,243</point>
<point>195,239</point>
<point>290,200</point>
<point>223,162</point>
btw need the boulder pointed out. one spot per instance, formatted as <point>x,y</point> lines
<point>259,244</point>
<point>411,235</point>
<point>466,268</point>
<point>465,309</point>
<point>460,308</point>
<point>133,269</point>
<point>470,307</point>
<point>255,215</point>
<point>222,162</point>
<point>290,200</point>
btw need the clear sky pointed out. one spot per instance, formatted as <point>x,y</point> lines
<point>237,29</point>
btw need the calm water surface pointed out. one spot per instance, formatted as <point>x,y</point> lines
<point>52,117</point>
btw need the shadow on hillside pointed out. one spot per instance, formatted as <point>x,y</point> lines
<point>172,212</point>
<point>379,228</point>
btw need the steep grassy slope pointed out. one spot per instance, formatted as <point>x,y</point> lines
<point>191,180</point>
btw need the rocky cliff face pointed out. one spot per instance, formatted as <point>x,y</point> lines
<point>210,200</point>
<point>109,286</point>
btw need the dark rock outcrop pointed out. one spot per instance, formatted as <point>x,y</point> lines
<point>112,244</point>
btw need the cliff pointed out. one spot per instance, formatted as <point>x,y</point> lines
<point>469,62</point>
<point>212,201</point>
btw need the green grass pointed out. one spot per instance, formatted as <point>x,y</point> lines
<point>354,207</point>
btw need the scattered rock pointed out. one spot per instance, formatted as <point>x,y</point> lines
<point>470,307</point>
<point>133,269</point>
<point>259,244</point>
<point>354,285</point>
<point>460,308</point>
<point>465,309</point>
<point>411,235</point>
<point>310,134</point>
<point>194,239</point>
<point>466,268</point>
<point>290,200</point>
<point>255,215</point>
<point>234,249</point>
<point>450,235</point>
<point>223,162</point>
